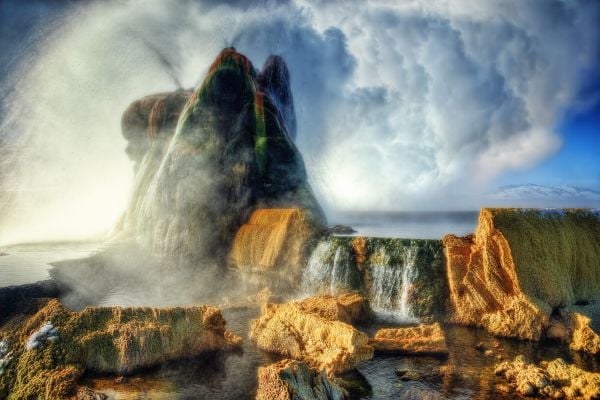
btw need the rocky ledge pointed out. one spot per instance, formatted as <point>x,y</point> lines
<point>423,339</point>
<point>522,266</point>
<point>52,349</point>
<point>311,331</point>
<point>556,379</point>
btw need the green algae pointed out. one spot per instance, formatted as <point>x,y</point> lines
<point>105,340</point>
<point>556,252</point>
<point>428,289</point>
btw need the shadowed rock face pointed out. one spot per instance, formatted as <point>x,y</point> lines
<point>230,153</point>
<point>293,380</point>
<point>274,80</point>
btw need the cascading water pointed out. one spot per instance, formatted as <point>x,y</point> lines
<point>391,284</point>
<point>328,270</point>
<point>389,276</point>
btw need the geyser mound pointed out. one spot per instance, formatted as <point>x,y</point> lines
<point>230,152</point>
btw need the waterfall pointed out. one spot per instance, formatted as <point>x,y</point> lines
<point>329,269</point>
<point>391,284</point>
<point>400,277</point>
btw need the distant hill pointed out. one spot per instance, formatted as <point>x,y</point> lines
<point>531,195</point>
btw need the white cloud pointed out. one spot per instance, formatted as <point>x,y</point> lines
<point>400,106</point>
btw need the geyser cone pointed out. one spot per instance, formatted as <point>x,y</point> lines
<point>230,154</point>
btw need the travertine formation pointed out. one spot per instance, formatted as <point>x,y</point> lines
<point>106,340</point>
<point>582,336</point>
<point>351,308</point>
<point>272,238</point>
<point>520,265</point>
<point>293,380</point>
<point>205,160</point>
<point>556,379</point>
<point>305,332</point>
<point>422,339</point>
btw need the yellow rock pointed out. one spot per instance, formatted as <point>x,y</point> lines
<point>422,339</point>
<point>272,238</point>
<point>350,308</point>
<point>519,265</point>
<point>555,378</point>
<point>299,331</point>
<point>583,338</point>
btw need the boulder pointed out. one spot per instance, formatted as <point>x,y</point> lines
<point>351,308</point>
<point>520,265</point>
<point>299,330</point>
<point>423,339</point>
<point>230,153</point>
<point>582,336</point>
<point>294,380</point>
<point>54,347</point>
<point>556,379</point>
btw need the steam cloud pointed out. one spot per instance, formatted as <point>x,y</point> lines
<point>410,106</point>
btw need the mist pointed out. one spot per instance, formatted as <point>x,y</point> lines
<point>399,107</point>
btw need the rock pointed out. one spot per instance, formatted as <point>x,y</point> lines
<point>85,393</point>
<point>422,339</point>
<point>293,380</point>
<point>340,230</point>
<point>302,331</point>
<point>110,340</point>
<point>274,80</point>
<point>351,308</point>
<point>583,337</point>
<point>520,265</point>
<point>26,299</point>
<point>556,379</point>
<point>489,353</point>
<point>273,240</point>
<point>151,119</point>
<point>230,154</point>
<point>408,374</point>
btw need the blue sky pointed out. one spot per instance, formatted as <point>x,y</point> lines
<point>577,162</point>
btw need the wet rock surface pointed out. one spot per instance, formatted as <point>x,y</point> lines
<point>106,340</point>
<point>554,379</point>
<point>294,380</point>
<point>426,339</point>
<point>301,331</point>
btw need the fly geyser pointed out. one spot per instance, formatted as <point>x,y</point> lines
<point>230,152</point>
